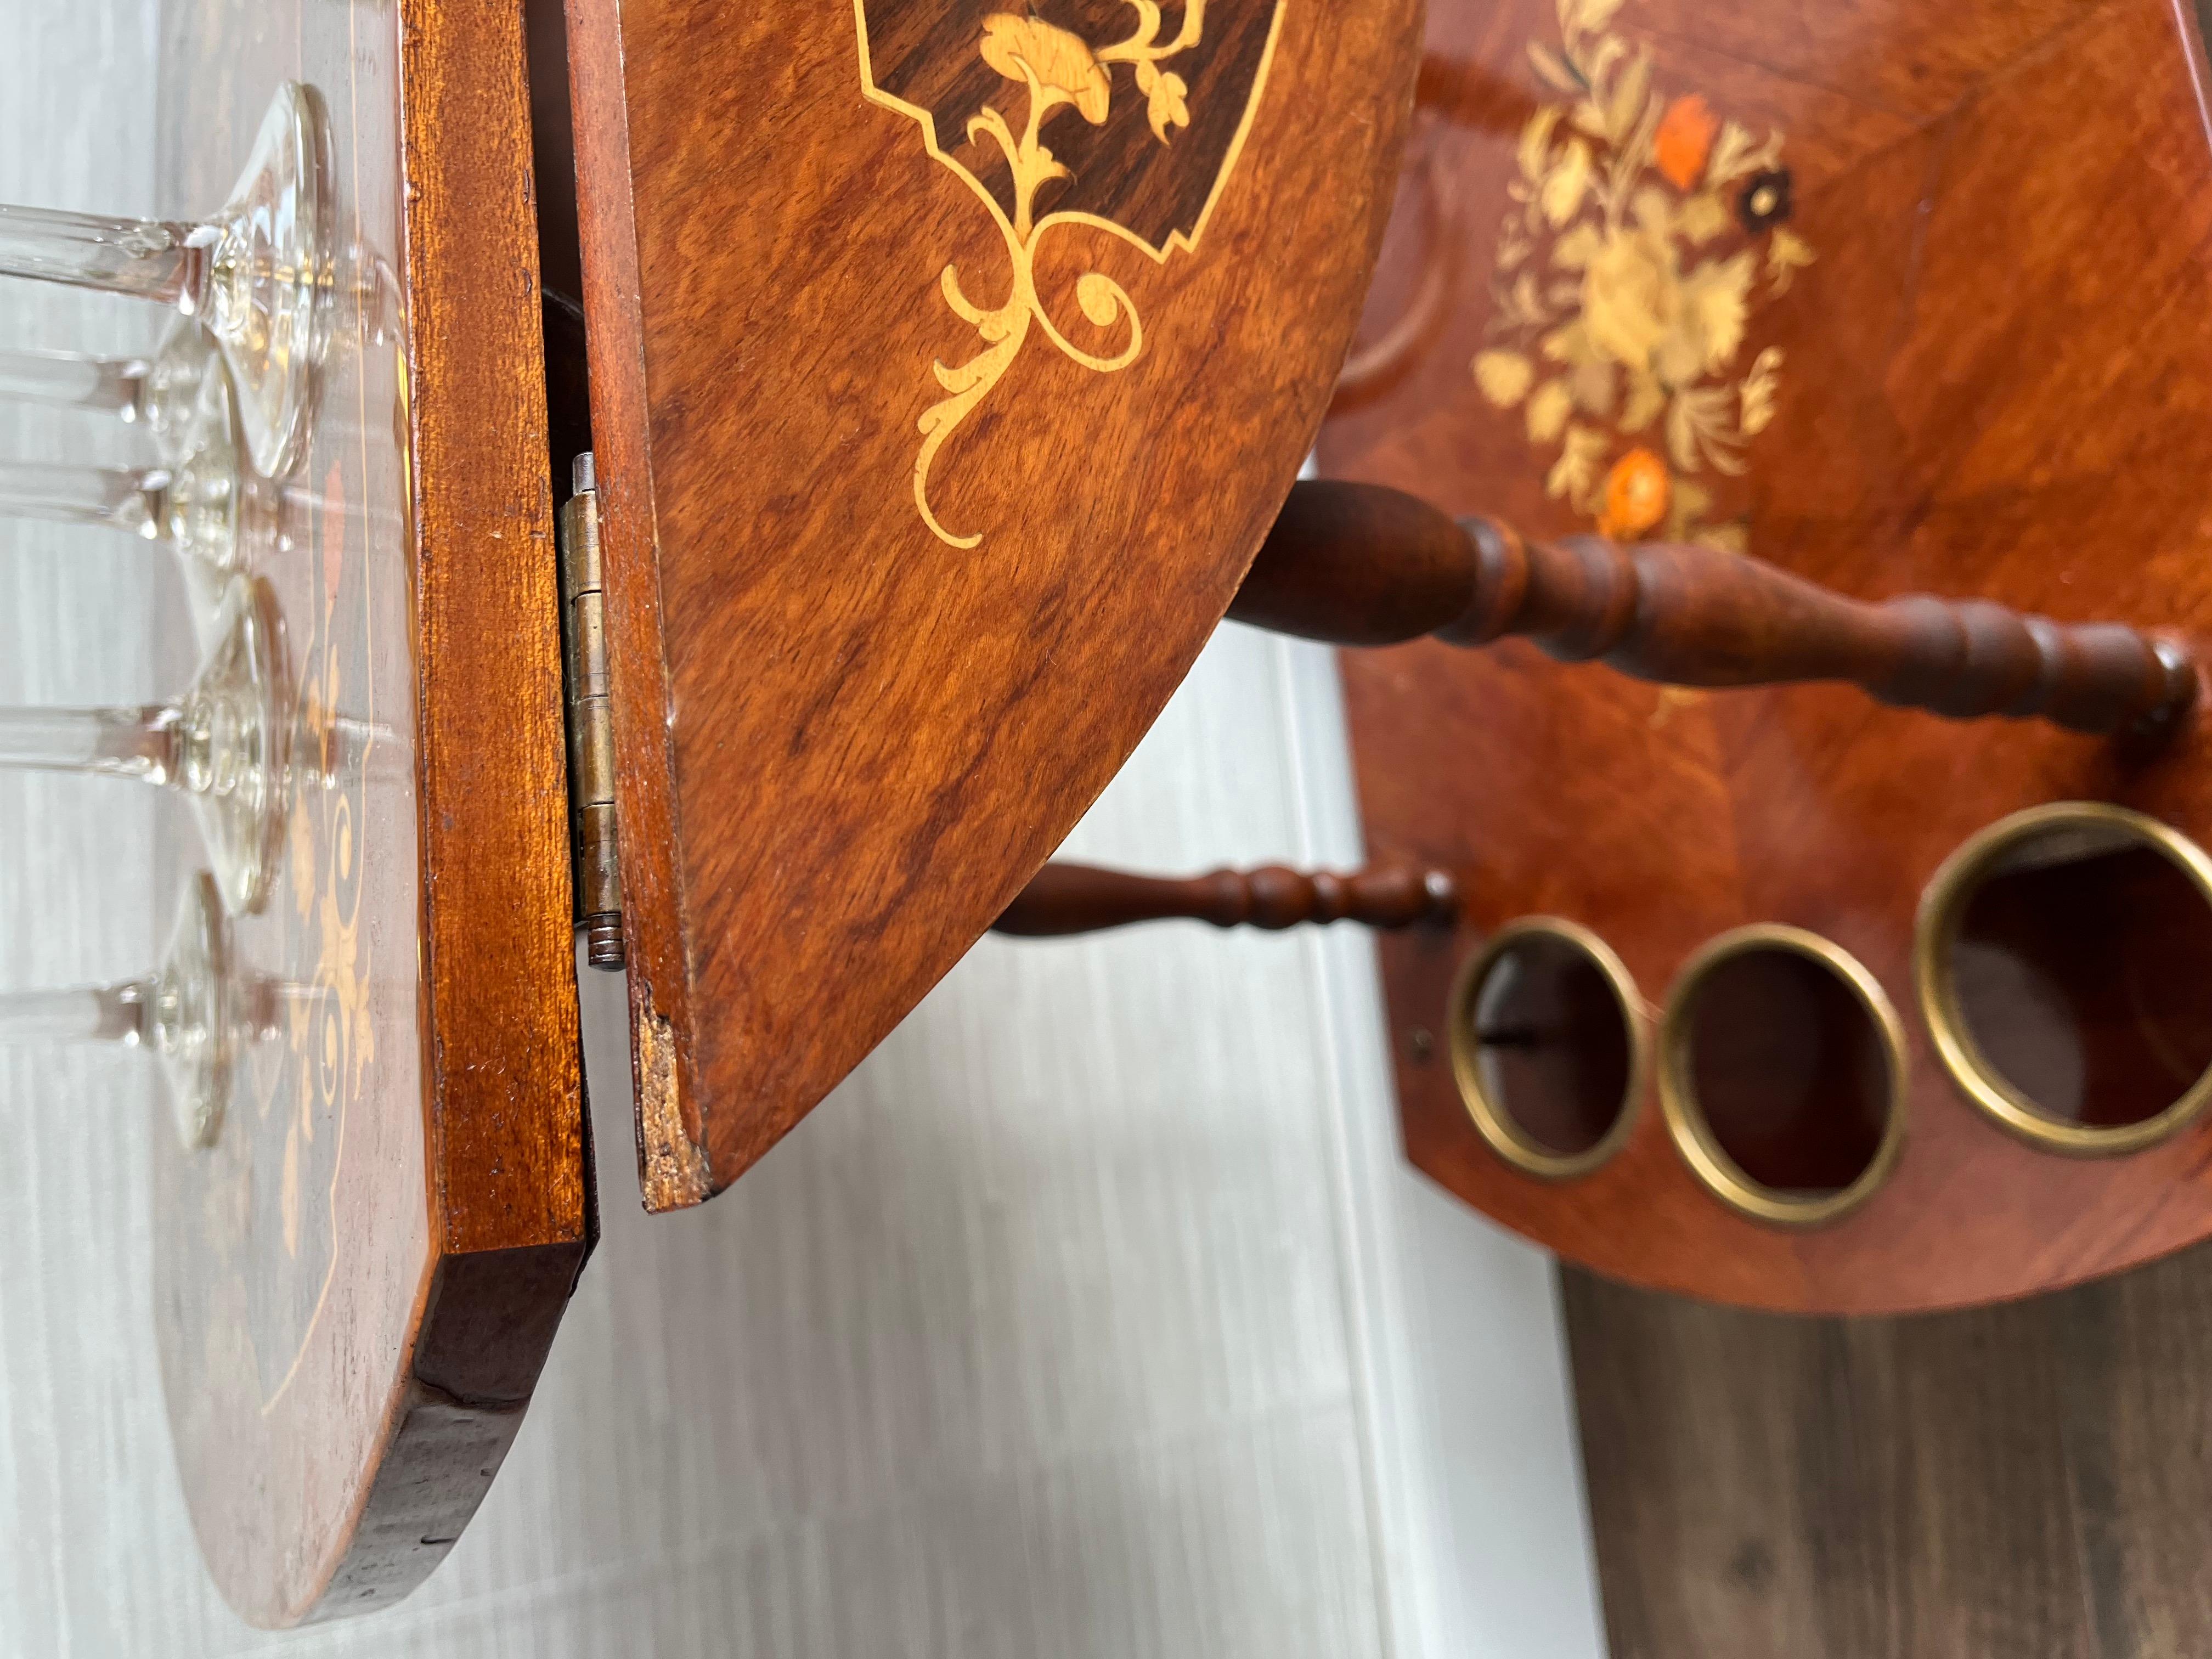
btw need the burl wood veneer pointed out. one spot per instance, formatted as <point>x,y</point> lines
<point>1898,299</point>
<point>948,364</point>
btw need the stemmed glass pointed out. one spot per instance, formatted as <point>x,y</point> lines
<point>224,744</point>
<point>161,393</point>
<point>210,508</point>
<point>198,1011</point>
<point>258,272</point>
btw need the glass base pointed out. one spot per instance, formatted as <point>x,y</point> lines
<point>270,280</point>
<point>190,1019</point>
<point>168,404</point>
<point>233,745</point>
<point>217,511</point>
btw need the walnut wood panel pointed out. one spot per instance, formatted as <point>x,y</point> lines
<point>880,631</point>
<point>357,1287</point>
<point>1970,1486</point>
<point>1975,368</point>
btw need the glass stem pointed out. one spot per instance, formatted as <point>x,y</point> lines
<point>112,385</point>
<point>135,502</point>
<point>110,1013</point>
<point>116,743</point>
<point>142,257</point>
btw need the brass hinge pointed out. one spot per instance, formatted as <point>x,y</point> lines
<point>591,726</point>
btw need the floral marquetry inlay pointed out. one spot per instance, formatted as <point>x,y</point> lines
<point>1131,128</point>
<point>1646,230</point>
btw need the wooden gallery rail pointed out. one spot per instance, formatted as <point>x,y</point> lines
<point>1360,565</point>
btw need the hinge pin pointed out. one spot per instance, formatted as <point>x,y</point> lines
<point>591,726</point>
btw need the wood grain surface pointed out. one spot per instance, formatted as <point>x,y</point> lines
<point>1076,1271</point>
<point>1966,1486</point>
<point>1065,898</point>
<point>1359,564</point>
<point>880,631</point>
<point>358,1286</point>
<point>1895,304</point>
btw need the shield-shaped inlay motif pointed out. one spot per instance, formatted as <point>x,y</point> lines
<point>1117,116</point>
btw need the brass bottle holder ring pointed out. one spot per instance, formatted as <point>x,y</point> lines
<point>1694,1135</point>
<point>2073,826</point>
<point>1492,1118</point>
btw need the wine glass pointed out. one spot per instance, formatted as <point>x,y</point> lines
<point>212,509</point>
<point>224,744</point>
<point>198,1011</point>
<point>258,272</point>
<point>161,393</point>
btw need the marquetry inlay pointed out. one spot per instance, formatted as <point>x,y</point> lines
<point>1047,131</point>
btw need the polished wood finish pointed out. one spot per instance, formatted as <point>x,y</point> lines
<point>1359,564</point>
<point>2019,1479</point>
<point>879,634</point>
<point>357,1287</point>
<point>1080,898</point>
<point>1992,382</point>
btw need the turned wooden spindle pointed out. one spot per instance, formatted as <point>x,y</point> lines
<point>1081,898</point>
<point>1360,565</point>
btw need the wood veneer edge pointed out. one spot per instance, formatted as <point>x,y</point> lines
<point>674,1170</point>
<point>504,1030</point>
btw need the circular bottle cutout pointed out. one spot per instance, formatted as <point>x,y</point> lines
<point>1782,1074</point>
<point>1548,1046</point>
<point>2064,962</point>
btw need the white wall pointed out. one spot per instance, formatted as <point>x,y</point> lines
<point>1095,1317</point>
